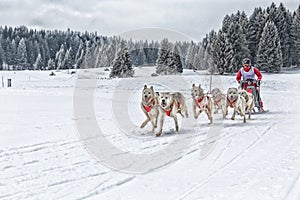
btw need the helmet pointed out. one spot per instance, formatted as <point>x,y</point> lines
<point>246,61</point>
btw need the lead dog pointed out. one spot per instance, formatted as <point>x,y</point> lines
<point>235,101</point>
<point>201,102</point>
<point>149,106</point>
<point>249,101</point>
<point>170,104</point>
<point>219,100</point>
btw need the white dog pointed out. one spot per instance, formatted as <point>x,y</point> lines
<point>149,106</point>
<point>170,105</point>
<point>235,101</point>
<point>249,99</point>
<point>201,102</point>
<point>219,100</point>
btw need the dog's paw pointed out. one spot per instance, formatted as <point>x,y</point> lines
<point>232,118</point>
<point>143,125</point>
<point>158,134</point>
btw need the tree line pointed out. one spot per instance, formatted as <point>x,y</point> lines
<point>270,37</point>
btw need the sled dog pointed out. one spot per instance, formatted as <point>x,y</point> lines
<point>169,105</point>
<point>149,106</point>
<point>249,101</point>
<point>201,102</point>
<point>235,101</point>
<point>219,101</point>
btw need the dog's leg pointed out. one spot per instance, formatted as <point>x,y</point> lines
<point>176,122</point>
<point>233,114</point>
<point>146,121</point>
<point>161,122</point>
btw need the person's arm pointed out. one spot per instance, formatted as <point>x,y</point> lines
<point>238,76</point>
<point>258,74</point>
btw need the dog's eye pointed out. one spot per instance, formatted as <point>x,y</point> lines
<point>166,97</point>
<point>149,93</point>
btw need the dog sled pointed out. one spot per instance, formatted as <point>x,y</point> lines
<point>253,86</point>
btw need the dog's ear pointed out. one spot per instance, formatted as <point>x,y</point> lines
<point>199,85</point>
<point>157,93</point>
<point>193,85</point>
<point>151,88</point>
<point>145,86</point>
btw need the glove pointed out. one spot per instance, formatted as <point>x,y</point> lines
<point>258,83</point>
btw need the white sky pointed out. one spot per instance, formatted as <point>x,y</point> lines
<point>112,17</point>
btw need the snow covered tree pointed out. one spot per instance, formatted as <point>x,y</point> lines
<point>163,58</point>
<point>269,56</point>
<point>22,54</point>
<point>51,64</point>
<point>218,53</point>
<point>295,35</point>
<point>38,65</point>
<point>175,65</point>
<point>255,28</point>
<point>68,60</point>
<point>59,57</point>
<point>122,65</point>
<point>2,61</point>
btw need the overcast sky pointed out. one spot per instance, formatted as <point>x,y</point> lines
<point>193,18</point>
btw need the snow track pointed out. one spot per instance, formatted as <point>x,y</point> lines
<point>42,156</point>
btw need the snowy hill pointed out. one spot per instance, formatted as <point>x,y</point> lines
<point>44,154</point>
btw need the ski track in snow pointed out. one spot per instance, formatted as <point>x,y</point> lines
<point>61,168</point>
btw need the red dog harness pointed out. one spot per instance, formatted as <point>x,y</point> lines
<point>231,102</point>
<point>198,101</point>
<point>168,112</point>
<point>148,108</point>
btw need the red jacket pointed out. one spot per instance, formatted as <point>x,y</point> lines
<point>256,71</point>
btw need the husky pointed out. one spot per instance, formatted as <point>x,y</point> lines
<point>219,101</point>
<point>201,102</point>
<point>249,101</point>
<point>237,102</point>
<point>169,105</point>
<point>149,106</point>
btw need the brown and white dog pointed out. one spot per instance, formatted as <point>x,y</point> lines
<point>169,105</point>
<point>201,102</point>
<point>249,101</point>
<point>149,106</point>
<point>235,101</point>
<point>219,100</point>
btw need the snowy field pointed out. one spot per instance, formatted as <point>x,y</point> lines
<point>43,156</point>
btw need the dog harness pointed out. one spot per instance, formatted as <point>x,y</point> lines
<point>168,112</point>
<point>198,101</point>
<point>148,108</point>
<point>218,101</point>
<point>231,102</point>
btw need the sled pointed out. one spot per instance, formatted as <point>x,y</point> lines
<point>251,86</point>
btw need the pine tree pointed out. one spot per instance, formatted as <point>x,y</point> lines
<point>255,28</point>
<point>38,65</point>
<point>295,35</point>
<point>59,57</point>
<point>2,61</point>
<point>218,53</point>
<point>68,61</point>
<point>163,58</point>
<point>22,54</point>
<point>50,64</point>
<point>269,56</point>
<point>175,65</point>
<point>122,65</point>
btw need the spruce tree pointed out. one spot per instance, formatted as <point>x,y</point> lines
<point>295,35</point>
<point>163,58</point>
<point>269,56</point>
<point>22,54</point>
<point>122,65</point>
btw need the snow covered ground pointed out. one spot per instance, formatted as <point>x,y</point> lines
<point>46,150</point>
